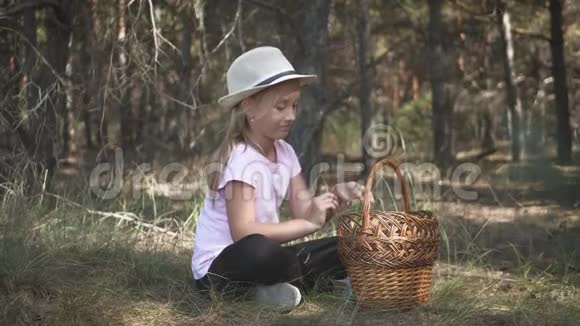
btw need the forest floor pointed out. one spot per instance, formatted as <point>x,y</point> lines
<point>508,257</point>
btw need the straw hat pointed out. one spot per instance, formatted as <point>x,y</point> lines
<point>256,70</point>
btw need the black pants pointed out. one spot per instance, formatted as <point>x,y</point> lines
<point>256,259</point>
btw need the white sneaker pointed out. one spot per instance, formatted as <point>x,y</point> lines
<point>281,296</point>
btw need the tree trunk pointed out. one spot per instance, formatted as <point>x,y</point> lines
<point>29,31</point>
<point>187,21</point>
<point>50,102</point>
<point>395,93</point>
<point>185,73</point>
<point>127,125</point>
<point>560,85</point>
<point>513,99</point>
<point>98,58</point>
<point>307,132</point>
<point>488,141</point>
<point>416,88</point>
<point>441,121</point>
<point>365,74</point>
<point>86,65</point>
<point>66,118</point>
<point>9,86</point>
<point>30,68</point>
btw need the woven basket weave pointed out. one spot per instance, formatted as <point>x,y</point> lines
<point>389,255</point>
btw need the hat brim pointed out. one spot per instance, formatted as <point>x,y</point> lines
<point>232,100</point>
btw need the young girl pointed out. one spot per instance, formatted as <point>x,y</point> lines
<point>239,239</point>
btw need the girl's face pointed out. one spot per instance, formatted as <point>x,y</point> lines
<point>272,112</point>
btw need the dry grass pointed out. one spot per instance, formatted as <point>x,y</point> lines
<point>61,265</point>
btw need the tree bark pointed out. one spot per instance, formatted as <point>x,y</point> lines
<point>83,39</point>
<point>50,101</point>
<point>98,58</point>
<point>513,99</point>
<point>306,135</point>
<point>188,29</point>
<point>441,121</point>
<point>29,31</point>
<point>9,85</point>
<point>30,67</point>
<point>127,118</point>
<point>365,74</point>
<point>560,85</point>
<point>186,64</point>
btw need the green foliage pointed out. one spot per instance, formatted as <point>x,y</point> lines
<point>341,132</point>
<point>413,120</point>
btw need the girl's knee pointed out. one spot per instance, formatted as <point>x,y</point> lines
<point>262,250</point>
<point>257,240</point>
<point>254,237</point>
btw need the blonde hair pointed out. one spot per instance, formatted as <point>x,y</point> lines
<point>236,133</point>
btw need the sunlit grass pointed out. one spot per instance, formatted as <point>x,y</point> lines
<point>62,264</point>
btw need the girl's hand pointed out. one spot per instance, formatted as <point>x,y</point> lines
<point>320,207</point>
<point>347,192</point>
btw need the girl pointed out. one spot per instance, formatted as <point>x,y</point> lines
<point>238,243</point>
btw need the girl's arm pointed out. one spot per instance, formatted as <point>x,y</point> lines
<point>299,197</point>
<point>241,216</point>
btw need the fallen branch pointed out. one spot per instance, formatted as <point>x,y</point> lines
<point>122,216</point>
<point>133,218</point>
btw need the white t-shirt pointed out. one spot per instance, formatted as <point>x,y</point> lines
<point>270,181</point>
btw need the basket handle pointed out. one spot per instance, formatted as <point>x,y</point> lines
<point>368,190</point>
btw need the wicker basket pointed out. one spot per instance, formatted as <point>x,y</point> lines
<point>390,256</point>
